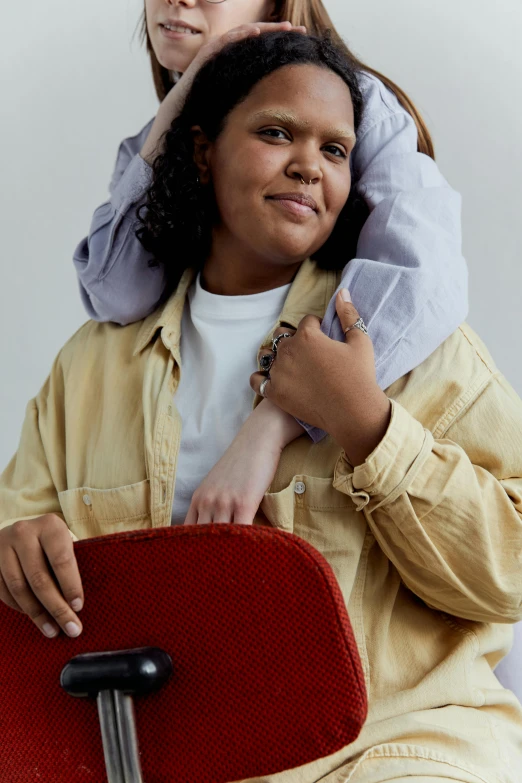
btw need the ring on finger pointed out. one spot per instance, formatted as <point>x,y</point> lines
<point>277,340</point>
<point>267,361</point>
<point>263,387</point>
<point>359,324</point>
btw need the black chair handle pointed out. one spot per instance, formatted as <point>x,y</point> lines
<point>134,672</point>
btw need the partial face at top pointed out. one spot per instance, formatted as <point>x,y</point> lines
<point>281,167</point>
<point>179,28</point>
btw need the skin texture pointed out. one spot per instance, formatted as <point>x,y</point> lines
<point>212,20</point>
<point>296,124</point>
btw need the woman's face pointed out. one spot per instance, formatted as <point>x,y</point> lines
<point>179,28</point>
<point>295,127</point>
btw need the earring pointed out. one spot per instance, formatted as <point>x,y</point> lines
<point>305,183</point>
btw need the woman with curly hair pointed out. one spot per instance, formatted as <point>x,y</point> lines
<point>402,257</point>
<point>414,496</point>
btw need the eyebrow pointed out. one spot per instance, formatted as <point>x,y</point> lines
<point>287,118</point>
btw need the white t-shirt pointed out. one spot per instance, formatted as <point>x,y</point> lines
<point>220,338</point>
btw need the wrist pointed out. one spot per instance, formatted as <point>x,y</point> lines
<point>269,424</point>
<point>364,430</point>
<point>169,109</point>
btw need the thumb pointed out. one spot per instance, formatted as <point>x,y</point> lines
<point>347,313</point>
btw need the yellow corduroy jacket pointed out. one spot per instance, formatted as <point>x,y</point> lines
<point>425,538</point>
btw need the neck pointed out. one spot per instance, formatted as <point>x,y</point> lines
<point>233,270</point>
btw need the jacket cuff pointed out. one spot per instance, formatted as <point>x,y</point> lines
<point>132,186</point>
<point>391,467</point>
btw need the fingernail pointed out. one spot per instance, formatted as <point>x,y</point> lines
<point>49,630</point>
<point>345,294</point>
<point>72,629</point>
<point>77,604</point>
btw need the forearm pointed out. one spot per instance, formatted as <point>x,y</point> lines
<point>449,526</point>
<point>271,422</point>
<point>169,109</point>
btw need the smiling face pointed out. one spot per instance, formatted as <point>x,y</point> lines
<point>178,29</point>
<point>295,126</point>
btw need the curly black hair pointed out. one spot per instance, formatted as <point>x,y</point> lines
<point>175,222</point>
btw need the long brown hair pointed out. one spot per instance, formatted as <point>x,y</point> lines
<point>314,16</point>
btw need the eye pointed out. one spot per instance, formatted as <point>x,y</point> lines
<point>275,133</point>
<point>336,151</point>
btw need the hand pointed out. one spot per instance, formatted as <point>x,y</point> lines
<point>236,485</point>
<point>174,101</point>
<point>330,384</point>
<point>34,555</point>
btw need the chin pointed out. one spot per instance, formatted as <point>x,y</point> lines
<point>294,250</point>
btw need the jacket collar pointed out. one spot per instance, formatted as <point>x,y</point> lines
<point>310,293</point>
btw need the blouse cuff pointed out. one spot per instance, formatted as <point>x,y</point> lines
<point>132,186</point>
<point>391,467</point>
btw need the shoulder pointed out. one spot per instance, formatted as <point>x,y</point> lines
<point>131,145</point>
<point>380,104</point>
<point>98,348</point>
<point>447,383</point>
<point>386,128</point>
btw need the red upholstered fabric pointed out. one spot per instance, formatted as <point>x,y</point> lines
<point>266,671</point>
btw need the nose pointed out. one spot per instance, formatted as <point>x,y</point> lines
<point>305,170</point>
<point>185,3</point>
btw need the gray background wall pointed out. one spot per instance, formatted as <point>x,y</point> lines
<point>73,85</point>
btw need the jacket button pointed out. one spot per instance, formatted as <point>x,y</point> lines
<point>300,488</point>
<point>87,500</point>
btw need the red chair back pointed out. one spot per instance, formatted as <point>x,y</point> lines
<point>266,671</point>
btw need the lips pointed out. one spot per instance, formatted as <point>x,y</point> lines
<point>299,198</point>
<point>179,26</point>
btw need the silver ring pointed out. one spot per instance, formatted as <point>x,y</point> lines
<point>263,387</point>
<point>277,340</point>
<point>359,324</point>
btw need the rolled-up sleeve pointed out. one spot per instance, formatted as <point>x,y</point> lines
<point>448,512</point>
<point>116,280</point>
<point>27,488</point>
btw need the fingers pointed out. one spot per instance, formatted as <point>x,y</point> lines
<point>59,551</point>
<point>283,330</point>
<point>37,563</point>
<point>6,597</point>
<point>348,317</point>
<point>206,509</point>
<point>243,514</point>
<point>255,383</point>
<point>219,511</point>
<point>266,359</point>
<point>251,30</point>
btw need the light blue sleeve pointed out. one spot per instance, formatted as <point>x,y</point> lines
<point>409,280</point>
<point>116,282</point>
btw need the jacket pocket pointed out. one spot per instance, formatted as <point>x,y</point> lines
<point>311,508</point>
<point>93,512</point>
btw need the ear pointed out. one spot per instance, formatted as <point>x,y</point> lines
<point>202,154</point>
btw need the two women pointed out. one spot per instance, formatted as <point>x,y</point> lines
<point>412,495</point>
